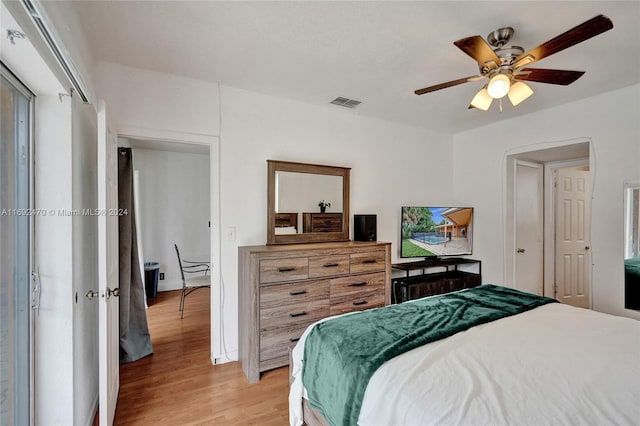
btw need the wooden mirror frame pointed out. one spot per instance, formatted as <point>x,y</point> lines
<point>274,166</point>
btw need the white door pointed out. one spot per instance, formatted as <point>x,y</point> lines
<point>573,255</point>
<point>529,227</point>
<point>108,324</point>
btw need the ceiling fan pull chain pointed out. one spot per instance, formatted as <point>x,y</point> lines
<point>500,104</point>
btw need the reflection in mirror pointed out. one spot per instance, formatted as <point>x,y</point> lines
<point>632,244</point>
<point>307,203</point>
<point>304,195</point>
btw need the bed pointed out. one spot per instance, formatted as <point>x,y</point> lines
<point>549,364</point>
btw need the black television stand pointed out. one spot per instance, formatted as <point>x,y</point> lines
<point>436,276</point>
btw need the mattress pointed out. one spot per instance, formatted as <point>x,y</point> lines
<point>555,364</point>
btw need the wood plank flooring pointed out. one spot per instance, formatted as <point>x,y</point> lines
<point>178,385</point>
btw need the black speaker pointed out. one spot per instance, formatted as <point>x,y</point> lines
<point>364,227</point>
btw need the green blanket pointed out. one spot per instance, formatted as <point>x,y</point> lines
<point>341,354</point>
<point>632,268</point>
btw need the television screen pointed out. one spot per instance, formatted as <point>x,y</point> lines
<point>436,231</point>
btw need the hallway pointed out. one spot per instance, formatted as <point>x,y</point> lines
<point>177,385</point>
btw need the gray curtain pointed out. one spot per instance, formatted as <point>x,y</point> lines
<point>135,341</point>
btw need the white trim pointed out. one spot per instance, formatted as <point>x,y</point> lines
<point>509,164</point>
<point>214,198</point>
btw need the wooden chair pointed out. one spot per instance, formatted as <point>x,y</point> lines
<point>189,285</point>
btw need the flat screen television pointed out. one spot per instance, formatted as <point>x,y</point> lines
<point>436,231</point>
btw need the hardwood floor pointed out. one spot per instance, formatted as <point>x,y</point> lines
<point>177,385</point>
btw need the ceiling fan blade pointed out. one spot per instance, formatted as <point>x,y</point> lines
<point>448,84</point>
<point>586,30</point>
<point>562,77</point>
<point>479,50</point>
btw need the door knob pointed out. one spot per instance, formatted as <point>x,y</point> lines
<point>91,295</point>
<point>115,292</point>
<point>520,250</point>
<point>587,247</point>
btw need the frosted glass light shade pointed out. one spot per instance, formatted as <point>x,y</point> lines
<point>519,92</point>
<point>498,86</point>
<point>482,100</point>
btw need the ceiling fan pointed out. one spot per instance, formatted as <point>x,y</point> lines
<point>504,66</point>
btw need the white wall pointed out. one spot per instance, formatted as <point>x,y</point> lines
<point>148,100</point>
<point>611,121</point>
<point>387,163</point>
<point>69,32</point>
<point>174,209</point>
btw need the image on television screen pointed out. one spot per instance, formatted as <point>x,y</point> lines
<point>436,231</point>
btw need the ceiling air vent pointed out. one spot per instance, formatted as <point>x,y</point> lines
<point>345,102</point>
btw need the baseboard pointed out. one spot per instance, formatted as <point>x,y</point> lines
<point>224,358</point>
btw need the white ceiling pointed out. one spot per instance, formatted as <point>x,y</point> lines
<point>375,52</point>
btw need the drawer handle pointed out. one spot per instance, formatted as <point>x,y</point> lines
<point>297,314</point>
<point>286,269</point>
<point>369,261</point>
<point>360,302</point>
<point>363,283</point>
<point>297,293</point>
<point>330,265</point>
<point>294,339</point>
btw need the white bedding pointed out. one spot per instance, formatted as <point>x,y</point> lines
<point>555,364</point>
<point>286,230</point>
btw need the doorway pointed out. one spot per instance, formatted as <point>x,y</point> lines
<point>173,193</point>
<point>547,250</point>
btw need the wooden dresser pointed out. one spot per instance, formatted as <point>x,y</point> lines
<point>321,222</point>
<point>282,289</point>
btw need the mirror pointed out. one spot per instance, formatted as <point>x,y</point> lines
<point>306,203</point>
<point>632,245</point>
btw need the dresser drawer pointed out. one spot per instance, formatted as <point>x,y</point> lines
<point>290,269</point>
<point>296,315</point>
<point>274,343</point>
<point>356,302</point>
<point>356,293</point>
<point>327,266</point>
<point>275,295</point>
<point>367,262</point>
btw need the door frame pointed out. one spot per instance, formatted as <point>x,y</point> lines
<point>550,190</point>
<point>216,353</point>
<point>539,152</point>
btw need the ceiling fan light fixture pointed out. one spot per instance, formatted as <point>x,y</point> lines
<point>519,92</point>
<point>482,100</point>
<point>498,86</point>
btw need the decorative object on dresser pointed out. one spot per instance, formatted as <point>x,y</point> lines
<point>324,205</point>
<point>285,288</point>
<point>321,222</point>
<point>365,227</point>
<point>446,278</point>
<point>296,188</point>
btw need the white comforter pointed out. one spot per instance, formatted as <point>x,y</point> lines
<point>552,365</point>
